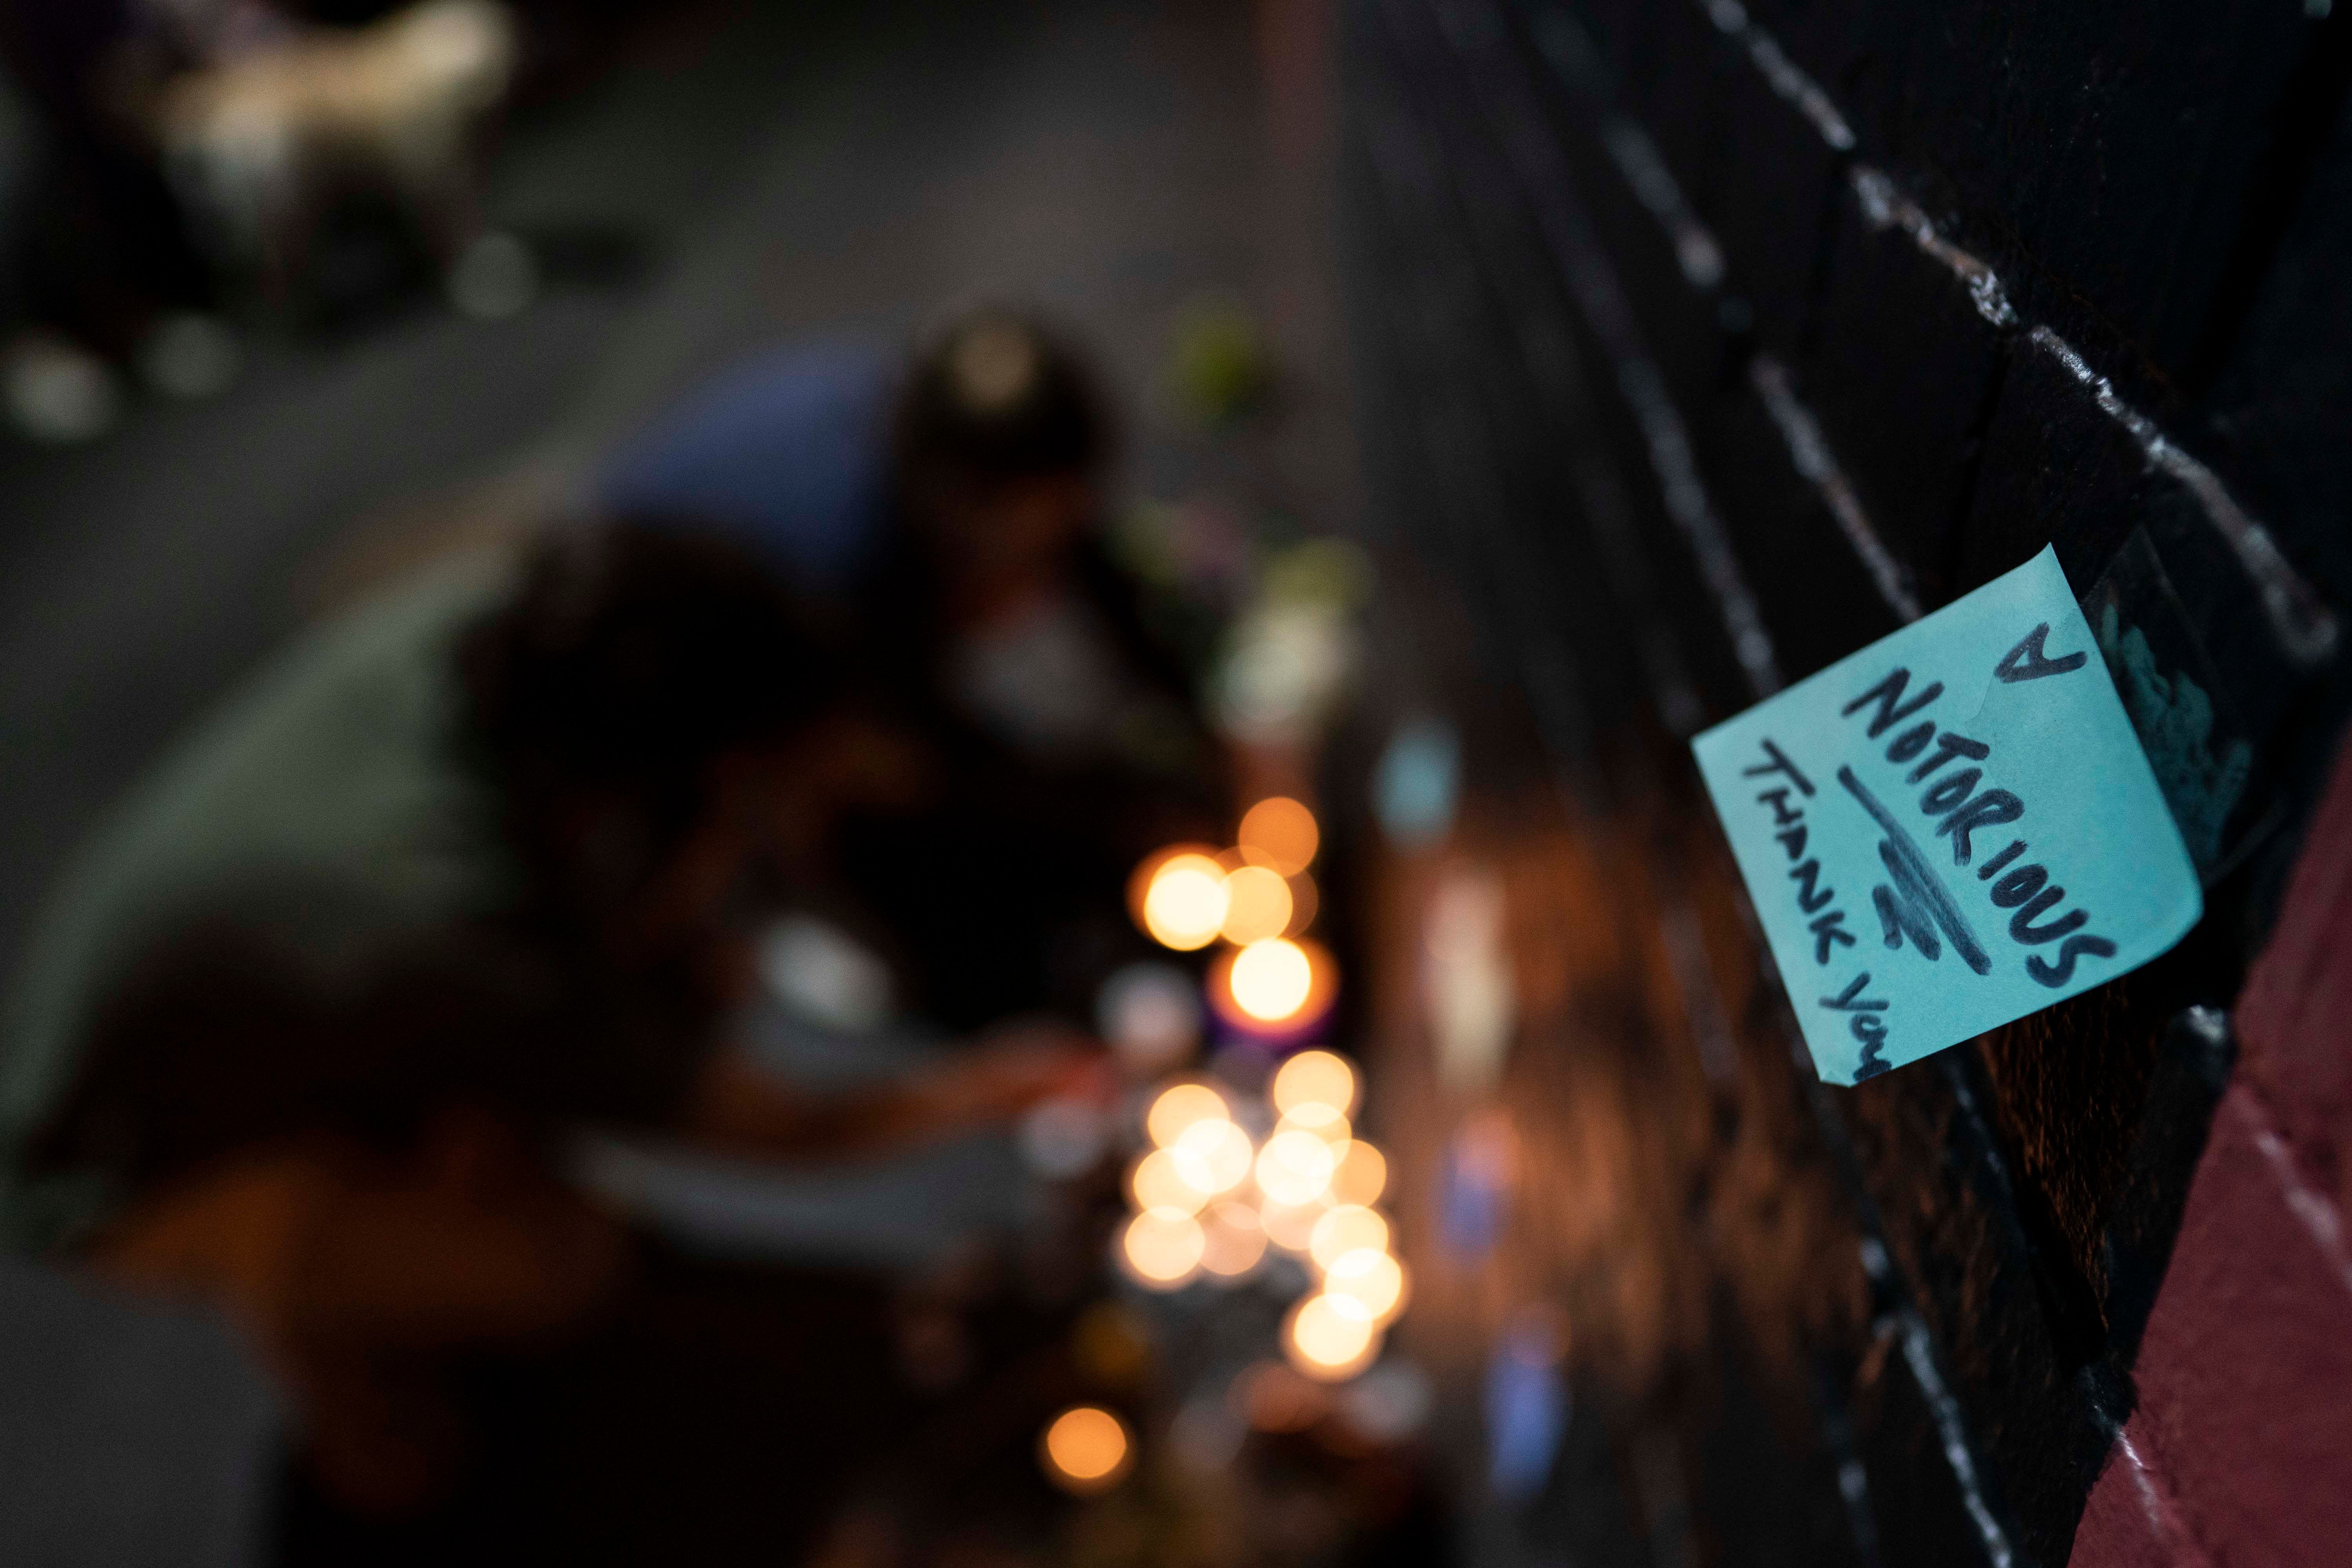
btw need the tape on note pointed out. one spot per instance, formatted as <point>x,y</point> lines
<point>1952,828</point>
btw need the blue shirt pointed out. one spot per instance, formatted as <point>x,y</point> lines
<point>788,453</point>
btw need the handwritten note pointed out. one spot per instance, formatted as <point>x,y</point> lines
<point>1952,828</point>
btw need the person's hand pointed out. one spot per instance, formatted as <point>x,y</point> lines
<point>1015,1066</point>
<point>742,1108</point>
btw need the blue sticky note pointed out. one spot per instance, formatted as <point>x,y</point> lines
<point>1952,828</point>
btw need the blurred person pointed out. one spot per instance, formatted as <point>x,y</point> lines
<point>620,756</point>
<point>478,864</point>
<point>268,124</point>
<point>191,148</point>
<point>952,499</point>
<point>346,1148</point>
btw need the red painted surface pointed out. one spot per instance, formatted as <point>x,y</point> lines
<point>2241,1452</point>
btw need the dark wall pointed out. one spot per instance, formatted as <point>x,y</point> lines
<point>1699,346</point>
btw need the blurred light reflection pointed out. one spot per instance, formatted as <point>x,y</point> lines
<point>1306,902</point>
<point>1214,1155</point>
<point>1180,1107</point>
<point>1271,979</point>
<point>1085,1449</point>
<point>1258,905</point>
<point>1164,1246</point>
<point>1322,1121</point>
<point>1315,1077</point>
<point>1365,1283</point>
<point>1291,1226</point>
<point>1295,1168</point>
<point>1160,1180</point>
<point>1327,1343</point>
<point>1280,833</point>
<point>1362,1175</point>
<point>1235,1239</point>
<point>1182,900</point>
<point>1351,1227</point>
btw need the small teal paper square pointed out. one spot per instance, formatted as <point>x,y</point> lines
<point>1952,828</point>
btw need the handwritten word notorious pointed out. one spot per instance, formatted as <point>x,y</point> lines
<point>1917,905</point>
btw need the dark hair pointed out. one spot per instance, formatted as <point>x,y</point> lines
<point>995,395</point>
<point>281,1015</point>
<point>632,658</point>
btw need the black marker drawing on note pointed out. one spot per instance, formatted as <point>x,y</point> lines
<point>2026,662</point>
<point>1918,905</point>
<point>1867,1025</point>
<point>1776,761</point>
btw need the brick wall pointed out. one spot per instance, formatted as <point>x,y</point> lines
<point>1696,347</point>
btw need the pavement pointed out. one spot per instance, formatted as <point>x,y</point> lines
<point>783,170</point>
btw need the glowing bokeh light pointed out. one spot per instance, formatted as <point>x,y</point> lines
<point>1306,902</point>
<point>1280,833</point>
<point>1235,1240</point>
<point>1365,1283</point>
<point>1291,1226</point>
<point>1209,1200</point>
<point>1086,1449</point>
<point>1351,1227</point>
<point>1295,1167</point>
<point>1162,1181</point>
<point>1362,1175</point>
<point>1271,979</point>
<point>1184,902</point>
<point>1139,881</point>
<point>1249,987</point>
<point>1323,1121</point>
<point>1326,1343</point>
<point>1164,1246</point>
<point>1182,1106</point>
<point>1213,1154</point>
<point>1315,1077</point>
<point>1258,905</point>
